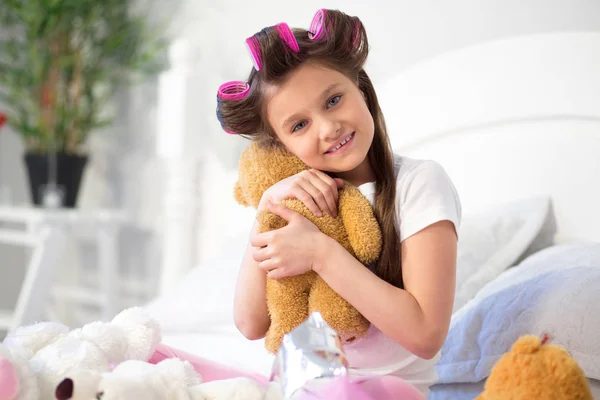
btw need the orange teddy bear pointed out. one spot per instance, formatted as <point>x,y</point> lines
<point>291,300</point>
<point>534,370</point>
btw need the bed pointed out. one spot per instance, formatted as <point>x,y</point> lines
<point>516,124</point>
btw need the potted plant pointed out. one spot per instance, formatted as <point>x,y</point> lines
<point>61,63</point>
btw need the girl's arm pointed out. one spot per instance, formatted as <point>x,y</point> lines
<point>418,316</point>
<point>250,304</point>
<point>319,193</point>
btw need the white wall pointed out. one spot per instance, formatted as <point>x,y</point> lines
<point>401,33</point>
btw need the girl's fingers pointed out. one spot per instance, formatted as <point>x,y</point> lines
<point>278,273</point>
<point>268,265</point>
<point>334,184</point>
<point>299,193</point>
<point>316,194</point>
<point>262,239</point>
<point>330,195</point>
<point>262,254</point>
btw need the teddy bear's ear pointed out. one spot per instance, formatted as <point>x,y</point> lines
<point>9,381</point>
<point>239,195</point>
<point>64,390</point>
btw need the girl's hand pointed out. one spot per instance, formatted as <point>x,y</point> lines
<point>317,190</point>
<point>288,251</point>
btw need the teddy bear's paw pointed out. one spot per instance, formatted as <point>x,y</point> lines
<point>111,339</point>
<point>143,333</point>
<point>273,342</point>
<point>180,371</point>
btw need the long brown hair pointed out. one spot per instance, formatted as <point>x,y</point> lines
<point>343,47</point>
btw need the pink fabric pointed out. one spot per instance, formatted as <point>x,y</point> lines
<point>209,370</point>
<point>9,383</point>
<point>342,389</point>
<point>389,387</point>
<point>372,388</point>
<point>364,388</point>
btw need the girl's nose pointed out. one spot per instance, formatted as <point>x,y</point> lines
<point>329,129</point>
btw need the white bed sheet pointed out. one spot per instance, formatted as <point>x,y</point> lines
<point>468,391</point>
<point>227,347</point>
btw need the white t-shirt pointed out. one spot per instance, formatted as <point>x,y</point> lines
<point>425,194</point>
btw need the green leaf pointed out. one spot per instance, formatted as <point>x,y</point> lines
<point>99,48</point>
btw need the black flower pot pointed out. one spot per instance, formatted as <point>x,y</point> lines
<point>69,170</point>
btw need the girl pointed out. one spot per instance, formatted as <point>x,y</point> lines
<point>310,94</point>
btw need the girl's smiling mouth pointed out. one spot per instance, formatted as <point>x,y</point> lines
<point>342,146</point>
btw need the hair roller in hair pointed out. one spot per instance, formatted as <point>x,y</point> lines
<point>283,31</point>
<point>315,32</point>
<point>232,91</point>
<point>286,34</point>
<point>254,48</point>
<point>356,34</point>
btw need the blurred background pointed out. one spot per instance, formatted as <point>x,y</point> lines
<point>155,195</point>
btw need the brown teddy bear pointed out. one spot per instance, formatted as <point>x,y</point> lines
<point>290,300</point>
<point>536,370</point>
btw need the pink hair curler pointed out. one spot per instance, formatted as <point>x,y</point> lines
<point>316,26</point>
<point>286,34</point>
<point>254,49</point>
<point>356,35</point>
<point>233,90</point>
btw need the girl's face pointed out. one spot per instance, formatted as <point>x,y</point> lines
<point>321,116</point>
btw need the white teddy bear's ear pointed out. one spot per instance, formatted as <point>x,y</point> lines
<point>9,379</point>
<point>16,366</point>
<point>143,333</point>
<point>35,337</point>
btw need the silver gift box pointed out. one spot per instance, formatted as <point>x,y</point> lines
<point>309,357</point>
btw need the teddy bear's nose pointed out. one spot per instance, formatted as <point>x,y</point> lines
<point>64,390</point>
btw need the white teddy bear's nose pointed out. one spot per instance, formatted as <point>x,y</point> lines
<point>64,390</point>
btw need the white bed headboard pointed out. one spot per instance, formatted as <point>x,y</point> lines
<point>509,119</point>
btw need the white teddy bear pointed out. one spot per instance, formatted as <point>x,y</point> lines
<point>170,379</point>
<point>47,361</point>
<point>36,358</point>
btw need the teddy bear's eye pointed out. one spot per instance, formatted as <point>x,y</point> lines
<point>99,395</point>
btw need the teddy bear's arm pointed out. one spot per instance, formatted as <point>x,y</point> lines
<point>359,219</point>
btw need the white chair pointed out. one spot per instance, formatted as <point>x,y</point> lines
<point>47,244</point>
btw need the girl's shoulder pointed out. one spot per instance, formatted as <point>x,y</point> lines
<point>407,170</point>
<point>425,193</point>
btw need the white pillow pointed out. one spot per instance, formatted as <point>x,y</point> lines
<point>492,240</point>
<point>203,300</point>
<point>555,291</point>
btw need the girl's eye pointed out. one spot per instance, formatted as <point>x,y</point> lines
<point>299,126</point>
<point>334,100</point>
